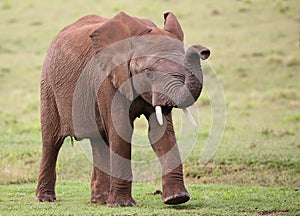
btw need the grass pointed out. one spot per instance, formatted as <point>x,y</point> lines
<point>206,200</point>
<point>255,53</point>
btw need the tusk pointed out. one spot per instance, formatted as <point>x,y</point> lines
<point>189,116</point>
<point>159,116</point>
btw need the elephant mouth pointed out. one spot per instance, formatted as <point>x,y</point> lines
<point>165,110</point>
<point>164,105</point>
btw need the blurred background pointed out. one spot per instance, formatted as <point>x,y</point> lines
<point>255,54</point>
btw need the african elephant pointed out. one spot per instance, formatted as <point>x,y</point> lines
<point>98,76</point>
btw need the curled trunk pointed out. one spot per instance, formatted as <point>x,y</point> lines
<point>191,90</point>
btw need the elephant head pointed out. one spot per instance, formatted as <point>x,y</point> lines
<point>151,62</point>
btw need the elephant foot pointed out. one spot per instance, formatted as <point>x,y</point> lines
<point>120,202</point>
<point>44,194</point>
<point>100,198</point>
<point>175,194</point>
<point>178,198</point>
<point>99,186</point>
<point>46,198</point>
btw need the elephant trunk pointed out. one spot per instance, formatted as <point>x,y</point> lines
<point>192,88</point>
<point>190,91</point>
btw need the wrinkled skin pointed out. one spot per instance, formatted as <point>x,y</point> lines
<point>84,48</point>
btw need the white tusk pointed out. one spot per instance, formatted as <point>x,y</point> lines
<point>189,116</point>
<point>159,116</point>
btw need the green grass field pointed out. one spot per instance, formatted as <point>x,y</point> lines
<point>255,54</point>
<point>207,200</point>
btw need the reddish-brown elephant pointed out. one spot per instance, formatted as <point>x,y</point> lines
<point>99,74</point>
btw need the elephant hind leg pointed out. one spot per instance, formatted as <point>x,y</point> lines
<point>52,142</point>
<point>100,183</point>
<point>45,191</point>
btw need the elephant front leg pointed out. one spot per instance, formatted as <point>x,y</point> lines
<point>163,141</point>
<point>118,126</point>
<point>101,168</point>
<point>120,172</point>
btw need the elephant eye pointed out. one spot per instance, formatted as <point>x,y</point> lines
<point>149,74</point>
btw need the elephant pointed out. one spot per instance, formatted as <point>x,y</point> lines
<point>98,76</point>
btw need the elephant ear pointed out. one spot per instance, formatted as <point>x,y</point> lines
<point>107,36</point>
<point>172,25</point>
